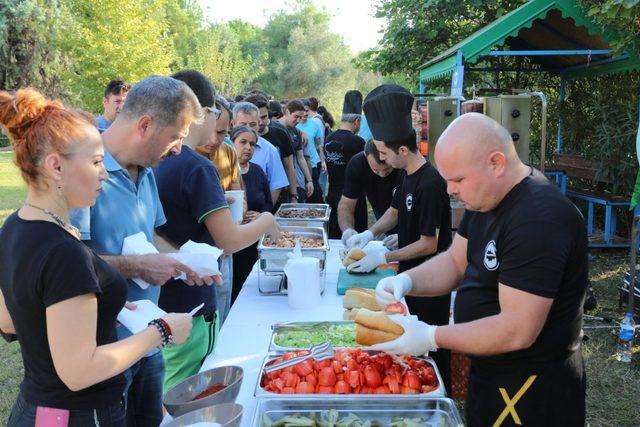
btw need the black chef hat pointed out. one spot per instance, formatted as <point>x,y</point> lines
<point>388,112</point>
<point>352,102</point>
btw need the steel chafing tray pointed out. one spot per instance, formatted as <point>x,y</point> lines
<point>320,330</point>
<point>303,214</point>
<point>440,391</point>
<point>378,411</point>
<point>274,258</point>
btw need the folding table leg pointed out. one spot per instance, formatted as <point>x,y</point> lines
<point>590,219</point>
<point>607,224</point>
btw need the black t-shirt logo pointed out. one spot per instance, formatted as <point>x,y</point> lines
<point>409,202</point>
<point>491,256</point>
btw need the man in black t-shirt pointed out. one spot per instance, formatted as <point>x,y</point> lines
<point>366,175</point>
<point>339,147</point>
<point>519,262</point>
<point>293,111</point>
<point>279,137</point>
<point>420,207</point>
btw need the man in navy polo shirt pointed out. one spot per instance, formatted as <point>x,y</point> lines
<point>196,209</point>
<point>151,126</point>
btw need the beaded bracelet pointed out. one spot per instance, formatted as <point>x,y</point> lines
<point>165,331</point>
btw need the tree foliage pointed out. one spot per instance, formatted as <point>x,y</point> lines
<point>622,15</point>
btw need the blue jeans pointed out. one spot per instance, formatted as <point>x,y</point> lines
<point>143,393</point>
<point>23,414</point>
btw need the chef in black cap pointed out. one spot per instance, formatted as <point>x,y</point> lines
<point>420,206</point>
<point>339,147</point>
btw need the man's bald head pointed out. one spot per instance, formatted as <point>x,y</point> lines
<point>477,158</point>
<point>474,136</point>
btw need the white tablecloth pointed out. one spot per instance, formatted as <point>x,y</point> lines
<point>244,337</point>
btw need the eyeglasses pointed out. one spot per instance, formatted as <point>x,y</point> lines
<point>213,110</point>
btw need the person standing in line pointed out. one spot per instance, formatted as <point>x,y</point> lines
<point>313,151</point>
<point>115,94</point>
<point>340,146</point>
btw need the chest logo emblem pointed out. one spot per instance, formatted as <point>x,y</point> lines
<point>490,260</point>
<point>409,202</point>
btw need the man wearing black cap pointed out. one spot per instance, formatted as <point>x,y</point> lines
<point>420,206</point>
<point>339,147</point>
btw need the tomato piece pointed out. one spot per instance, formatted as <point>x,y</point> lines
<point>305,388</point>
<point>396,308</point>
<point>352,365</point>
<point>288,390</point>
<point>312,379</point>
<point>340,377</point>
<point>353,378</point>
<point>337,367</point>
<point>383,389</point>
<point>325,390</point>
<point>372,377</point>
<point>428,388</point>
<point>342,388</point>
<point>304,368</point>
<point>408,390</point>
<point>411,380</point>
<point>289,355</point>
<point>277,385</point>
<point>290,379</point>
<point>394,385</point>
<point>327,377</point>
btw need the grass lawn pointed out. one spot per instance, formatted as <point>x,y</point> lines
<point>612,386</point>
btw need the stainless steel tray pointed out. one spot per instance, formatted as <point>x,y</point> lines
<point>440,412</point>
<point>273,259</point>
<point>263,394</point>
<point>304,221</point>
<point>276,328</point>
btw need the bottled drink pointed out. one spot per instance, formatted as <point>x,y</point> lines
<point>625,338</point>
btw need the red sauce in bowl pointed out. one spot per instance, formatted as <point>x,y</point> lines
<point>211,390</point>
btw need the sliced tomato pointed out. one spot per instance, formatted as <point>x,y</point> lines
<point>428,388</point>
<point>288,390</point>
<point>337,367</point>
<point>353,378</point>
<point>305,388</point>
<point>325,390</point>
<point>365,390</point>
<point>394,385</point>
<point>340,377</point>
<point>396,308</point>
<point>372,377</point>
<point>277,385</point>
<point>327,377</point>
<point>342,388</point>
<point>289,355</point>
<point>312,379</point>
<point>383,389</point>
<point>290,379</point>
<point>411,380</point>
<point>304,368</point>
<point>352,365</point>
<point>408,390</point>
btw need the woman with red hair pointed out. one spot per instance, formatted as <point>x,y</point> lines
<point>56,295</point>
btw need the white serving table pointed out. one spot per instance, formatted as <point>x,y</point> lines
<point>244,337</point>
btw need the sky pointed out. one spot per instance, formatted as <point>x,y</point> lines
<point>353,19</point>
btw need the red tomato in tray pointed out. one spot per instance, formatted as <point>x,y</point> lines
<point>342,388</point>
<point>312,379</point>
<point>288,390</point>
<point>290,379</point>
<point>305,388</point>
<point>353,378</point>
<point>304,368</point>
<point>372,377</point>
<point>327,377</point>
<point>337,367</point>
<point>324,390</point>
<point>411,380</point>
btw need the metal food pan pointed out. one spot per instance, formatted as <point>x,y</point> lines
<point>273,259</point>
<point>263,394</point>
<point>279,327</point>
<point>301,207</point>
<point>440,412</point>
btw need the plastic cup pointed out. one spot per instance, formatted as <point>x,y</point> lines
<point>237,207</point>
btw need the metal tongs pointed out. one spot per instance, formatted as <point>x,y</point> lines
<point>317,352</point>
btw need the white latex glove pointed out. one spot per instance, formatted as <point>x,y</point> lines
<point>418,338</point>
<point>360,240</point>
<point>347,234</point>
<point>391,242</point>
<point>370,262</point>
<point>393,289</point>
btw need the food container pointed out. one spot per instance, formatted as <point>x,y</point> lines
<point>314,327</point>
<point>440,412</point>
<point>179,399</point>
<point>273,259</point>
<point>225,414</point>
<point>262,393</point>
<point>300,214</point>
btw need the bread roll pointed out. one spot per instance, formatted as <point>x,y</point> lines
<point>361,298</point>
<point>350,314</point>
<point>378,321</point>
<point>367,336</point>
<point>354,254</point>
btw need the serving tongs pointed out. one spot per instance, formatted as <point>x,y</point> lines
<point>317,352</point>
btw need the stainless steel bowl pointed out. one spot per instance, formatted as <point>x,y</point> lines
<point>179,399</point>
<point>225,414</point>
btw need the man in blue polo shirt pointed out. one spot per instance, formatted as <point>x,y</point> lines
<point>314,151</point>
<point>196,209</point>
<point>151,126</point>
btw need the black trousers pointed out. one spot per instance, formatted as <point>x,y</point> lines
<point>434,311</point>
<point>317,196</point>
<point>243,262</point>
<point>360,217</point>
<point>536,394</point>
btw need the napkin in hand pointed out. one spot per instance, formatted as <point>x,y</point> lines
<point>138,319</point>
<point>200,257</point>
<point>137,244</point>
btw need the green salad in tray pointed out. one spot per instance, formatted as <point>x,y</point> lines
<point>305,337</point>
